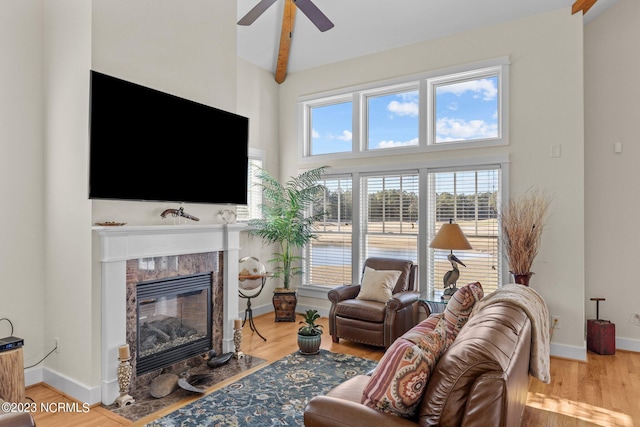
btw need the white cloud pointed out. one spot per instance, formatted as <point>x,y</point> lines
<point>314,134</point>
<point>403,108</point>
<point>485,87</point>
<point>390,144</point>
<point>345,136</point>
<point>448,129</point>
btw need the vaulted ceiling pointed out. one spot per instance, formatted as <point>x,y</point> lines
<point>278,38</point>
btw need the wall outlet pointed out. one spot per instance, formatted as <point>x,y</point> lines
<point>555,322</point>
<point>57,340</point>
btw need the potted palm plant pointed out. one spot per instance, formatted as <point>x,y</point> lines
<point>287,222</point>
<point>523,220</point>
<point>309,335</point>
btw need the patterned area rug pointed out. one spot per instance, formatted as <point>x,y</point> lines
<point>276,395</point>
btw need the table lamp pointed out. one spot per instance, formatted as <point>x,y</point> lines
<point>450,237</point>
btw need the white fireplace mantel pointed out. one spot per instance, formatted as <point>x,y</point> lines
<point>121,243</point>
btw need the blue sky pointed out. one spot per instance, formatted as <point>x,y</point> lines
<point>464,111</point>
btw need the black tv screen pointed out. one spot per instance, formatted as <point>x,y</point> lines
<point>149,145</point>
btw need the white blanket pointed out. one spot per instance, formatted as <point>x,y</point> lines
<point>536,308</point>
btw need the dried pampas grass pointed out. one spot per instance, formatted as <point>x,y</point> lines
<point>523,220</point>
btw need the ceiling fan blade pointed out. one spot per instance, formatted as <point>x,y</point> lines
<point>288,19</point>
<point>254,13</point>
<point>314,14</point>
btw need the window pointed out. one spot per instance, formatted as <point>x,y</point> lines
<point>330,128</point>
<point>466,110</point>
<point>254,192</point>
<point>328,257</point>
<point>394,209</point>
<point>390,216</point>
<point>470,199</point>
<point>371,214</point>
<point>450,109</point>
<point>393,120</point>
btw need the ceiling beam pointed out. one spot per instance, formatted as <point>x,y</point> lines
<point>582,5</point>
<point>288,19</point>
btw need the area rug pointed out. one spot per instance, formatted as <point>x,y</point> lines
<point>275,395</point>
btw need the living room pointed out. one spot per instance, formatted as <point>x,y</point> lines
<point>568,87</point>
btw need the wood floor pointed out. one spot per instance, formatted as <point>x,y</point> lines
<point>604,391</point>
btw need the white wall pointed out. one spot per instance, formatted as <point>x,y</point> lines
<point>22,279</point>
<point>258,100</point>
<point>546,108</point>
<point>69,307</point>
<point>612,67</point>
<point>184,48</point>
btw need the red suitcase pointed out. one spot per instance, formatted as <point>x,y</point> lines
<point>601,334</point>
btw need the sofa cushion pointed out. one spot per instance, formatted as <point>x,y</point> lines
<point>399,380</point>
<point>459,307</point>
<point>377,285</point>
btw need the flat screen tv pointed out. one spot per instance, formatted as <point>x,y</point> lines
<point>149,145</point>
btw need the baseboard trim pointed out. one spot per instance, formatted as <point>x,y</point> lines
<point>628,344</point>
<point>569,351</point>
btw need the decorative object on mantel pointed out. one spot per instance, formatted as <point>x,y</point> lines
<point>110,224</point>
<point>177,213</point>
<point>450,237</point>
<point>124,376</point>
<point>228,216</point>
<point>287,221</point>
<point>522,220</point>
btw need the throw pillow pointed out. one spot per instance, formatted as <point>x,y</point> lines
<point>377,285</point>
<point>398,382</point>
<point>459,307</point>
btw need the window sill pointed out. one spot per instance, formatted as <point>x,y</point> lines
<point>314,291</point>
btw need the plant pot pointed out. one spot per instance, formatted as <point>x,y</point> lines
<point>522,279</point>
<point>284,304</point>
<point>309,344</point>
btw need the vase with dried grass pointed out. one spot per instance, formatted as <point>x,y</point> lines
<point>523,220</point>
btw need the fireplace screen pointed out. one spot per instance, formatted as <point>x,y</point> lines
<point>174,320</point>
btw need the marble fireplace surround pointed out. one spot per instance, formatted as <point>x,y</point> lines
<point>121,243</point>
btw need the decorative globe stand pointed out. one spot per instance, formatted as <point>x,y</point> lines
<point>248,312</point>
<point>252,277</point>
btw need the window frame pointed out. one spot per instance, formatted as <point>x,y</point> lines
<point>254,198</point>
<point>424,168</point>
<point>425,84</point>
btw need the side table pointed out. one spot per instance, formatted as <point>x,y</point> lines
<point>431,307</point>
<point>12,376</point>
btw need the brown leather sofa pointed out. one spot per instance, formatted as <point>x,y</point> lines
<point>15,419</point>
<point>373,322</point>
<point>481,380</point>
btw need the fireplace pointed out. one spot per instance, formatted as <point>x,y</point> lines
<point>174,320</point>
<point>125,252</point>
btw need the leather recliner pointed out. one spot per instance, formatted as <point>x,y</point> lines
<point>372,322</point>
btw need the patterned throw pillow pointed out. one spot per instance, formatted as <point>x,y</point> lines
<point>377,285</point>
<point>398,382</point>
<point>459,308</point>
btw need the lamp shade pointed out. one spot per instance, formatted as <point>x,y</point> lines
<point>450,236</point>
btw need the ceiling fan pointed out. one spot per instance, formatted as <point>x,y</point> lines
<point>307,7</point>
